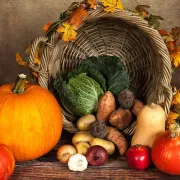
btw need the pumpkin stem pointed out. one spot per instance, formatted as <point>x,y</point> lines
<point>175,130</point>
<point>19,84</point>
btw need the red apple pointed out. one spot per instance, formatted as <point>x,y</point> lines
<point>97,155</point>
<point>138,157</point>
<point>7,163</point>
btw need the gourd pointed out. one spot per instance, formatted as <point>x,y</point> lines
<point>165,150</point>
<point>30,119</point>
<point>150,123</point>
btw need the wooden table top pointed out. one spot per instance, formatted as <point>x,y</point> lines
<point>48,167</point>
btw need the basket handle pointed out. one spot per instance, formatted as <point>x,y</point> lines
<point>41,69</point>
<point>163,96</point>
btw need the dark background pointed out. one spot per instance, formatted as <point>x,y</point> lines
<point>21,21</point>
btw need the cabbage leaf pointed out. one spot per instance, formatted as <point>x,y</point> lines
<point>79,95</point>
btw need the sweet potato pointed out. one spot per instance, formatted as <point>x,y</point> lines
<point>137,107</point>
<point>121,118</point>
<point>106,106</point>
<point>118,139</point>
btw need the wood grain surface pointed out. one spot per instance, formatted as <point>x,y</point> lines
<point>49,168</point>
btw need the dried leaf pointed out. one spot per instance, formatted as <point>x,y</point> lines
<point>52,28</point>
<point>176,108</point>
<point>141,10</point>
<point>175,32</point>
<point>28,50</point>
<point>69,32</point>
<point>35,74</point>
<point>111,5</point>
<point>37,58</point>
<point>171,46</point>
<point>92,3</point>
<point>72,7</point>
<point>47,26</point>
<point>176,98</point>
<point>119,5</point>
<point>77,16</point>
<point>175,57</point>
<point>172,117</point>
<point>19,60</point>
<point>64,15</point>
<point>163,32</point>
<point>153,20</point>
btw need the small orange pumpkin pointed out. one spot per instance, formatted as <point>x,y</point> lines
<point>30,119</point>
<point>7,163</point>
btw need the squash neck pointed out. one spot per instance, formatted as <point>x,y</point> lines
<point>19,86</point>
<point>175,130</point>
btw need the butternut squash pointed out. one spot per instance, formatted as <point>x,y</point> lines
<point>150,123</point>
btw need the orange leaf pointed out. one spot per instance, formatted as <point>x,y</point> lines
<point>92,3</point>
<point>77,16</point>
<point>69,32</point>
<point>172,117</point>
<point>171,46</point>
<point>111,5</point>
<point>175,57</point>
<point>176,98</point>
<point>35,74</point>
<point>47,26</point>
<point>163,32</point>
<point>19,60</point>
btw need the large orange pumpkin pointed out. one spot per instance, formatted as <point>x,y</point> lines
<point>30,120</point>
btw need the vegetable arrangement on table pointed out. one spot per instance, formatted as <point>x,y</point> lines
<point>98,97</point>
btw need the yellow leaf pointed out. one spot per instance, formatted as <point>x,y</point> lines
<point>119,5</point>
<point>28,50</point>
<point>19,60</point>
<point>69,32</point>
<point>172,117</point>
<point>37,58</point>
<point>111,5</point>
<point>175,57</point>
<point>92,3</point>
<point>176,98</point>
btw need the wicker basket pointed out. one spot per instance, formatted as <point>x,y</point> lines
<point>121,33</point>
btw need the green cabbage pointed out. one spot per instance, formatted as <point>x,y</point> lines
<point>80,95</point>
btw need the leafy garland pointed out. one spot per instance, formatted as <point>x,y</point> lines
<point>69,22</point>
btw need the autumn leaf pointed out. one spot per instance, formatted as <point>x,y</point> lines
<point>153,20</point>
<point>171,46</point>
<point>175,57</point>
<point>141,10</point>
<point>111,5</point>
<point>37,58</point>
<point>69,32</point>
<point>172,117</point>
<point>19,60</point>
<point>163,32</point>
<point>35,74</point>
<point>47,26</point>
<point>77,16</point>
<point>176,98</point>
<point>92,3</point>
<point>28,50</point>
<point>175,32</point>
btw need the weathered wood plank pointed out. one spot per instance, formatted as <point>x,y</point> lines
<point>113,170</point>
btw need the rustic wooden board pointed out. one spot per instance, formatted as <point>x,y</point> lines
<point>48,167</point>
